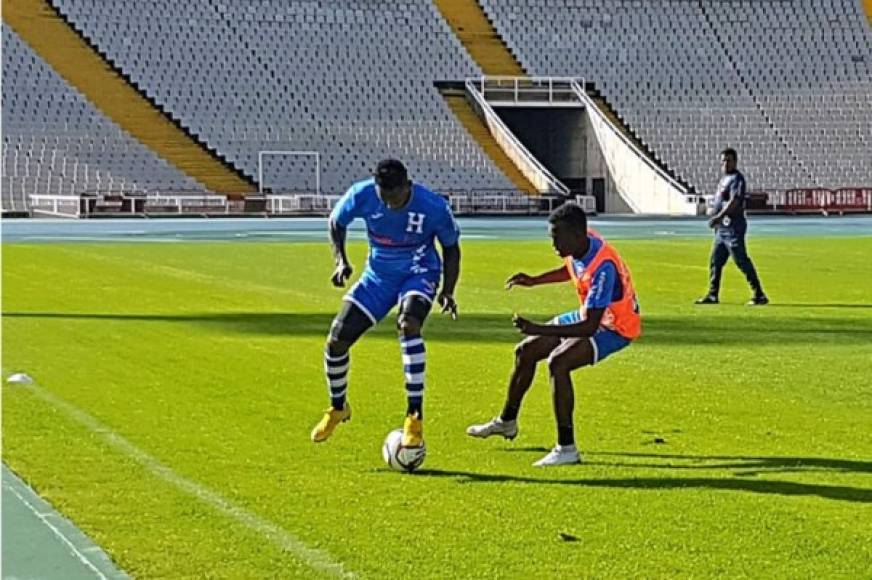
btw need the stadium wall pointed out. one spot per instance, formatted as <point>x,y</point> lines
<point>634,183</point>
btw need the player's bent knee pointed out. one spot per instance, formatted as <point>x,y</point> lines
<point>531,350</point>
<point>525,352</point>
<point>337,347</point>
<point>413,312</point>
<point>338,341</point>
<point>408,325</point>
<point>348,326</point>
<point>559,364</point>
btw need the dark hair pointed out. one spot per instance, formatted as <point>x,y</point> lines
<point>571,214</point>
<point>390,174</point>
<point>730,152</point>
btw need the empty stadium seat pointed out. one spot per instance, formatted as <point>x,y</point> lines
<point>350,79</point>
<point>691,78</point>
<point>56,142</point>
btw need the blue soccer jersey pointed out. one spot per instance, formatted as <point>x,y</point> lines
<point>401,240</point>
<point>732,185</point>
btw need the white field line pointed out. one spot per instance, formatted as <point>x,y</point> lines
<point>312,557</point>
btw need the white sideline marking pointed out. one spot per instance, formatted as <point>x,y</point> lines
<point>314,558</point>
<point>60,535</point>
<point>68,238</point>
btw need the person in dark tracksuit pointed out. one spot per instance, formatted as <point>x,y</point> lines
<point>730,225</point>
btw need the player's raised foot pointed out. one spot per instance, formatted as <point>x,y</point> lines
<point>560,455</point>
<point>496,426</point>
<point>332,417</point>
<point>413,431</point>
<point>758,300</point>
<point>707,299</point>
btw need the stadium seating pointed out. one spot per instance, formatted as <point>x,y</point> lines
<point>786,83</point>
<point>809,64</point>
<point>56,142</point>
<point>350,79</point>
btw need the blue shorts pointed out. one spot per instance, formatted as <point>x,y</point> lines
<point>604,341</point>
<point>376,295</point>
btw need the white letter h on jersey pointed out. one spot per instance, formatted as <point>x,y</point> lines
<point>416,223</point>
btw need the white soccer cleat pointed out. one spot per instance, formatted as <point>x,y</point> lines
<point>496,426</point>
<point>560,455</point>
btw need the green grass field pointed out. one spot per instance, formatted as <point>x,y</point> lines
<point>207,357</point>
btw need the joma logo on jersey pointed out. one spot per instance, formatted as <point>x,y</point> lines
<point>416,223</point>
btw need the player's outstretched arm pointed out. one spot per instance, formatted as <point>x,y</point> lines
<point>451,273</point>
<point>521,279</point>
<point>342,271</point>
<point>583,329</point>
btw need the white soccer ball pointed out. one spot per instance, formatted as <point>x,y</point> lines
<point>401,458</point>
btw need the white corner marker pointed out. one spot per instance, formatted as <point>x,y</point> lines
<point>20,379</point>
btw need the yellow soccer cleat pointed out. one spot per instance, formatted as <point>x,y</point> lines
<point>413,431</point>
<point>324,429</point>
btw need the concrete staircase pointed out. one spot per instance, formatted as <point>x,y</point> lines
<point>457,102</point>
<point>481,40</point>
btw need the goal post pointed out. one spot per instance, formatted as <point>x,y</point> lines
<point>263,154</point>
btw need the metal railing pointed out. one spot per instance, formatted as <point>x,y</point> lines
<point>300,203</point>
<point>186,203</point>
<point>463,202</point>
<point>551,91</point>
<point>57,205</point>
<point>503,204</point>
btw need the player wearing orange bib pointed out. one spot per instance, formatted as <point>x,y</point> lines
<point>607,321</point>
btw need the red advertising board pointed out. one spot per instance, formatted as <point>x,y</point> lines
<point>853,199</point>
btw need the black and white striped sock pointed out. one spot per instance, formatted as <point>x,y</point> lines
<point>414,363</point>
<point>336,368</point>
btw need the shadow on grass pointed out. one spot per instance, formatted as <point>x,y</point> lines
<point>814,305</point>
<point>743,465</point>
<point>787,488</point>
<point>660,330</point>
<point>534,448</point>
<point>761,465</point>
<point>748,465</point>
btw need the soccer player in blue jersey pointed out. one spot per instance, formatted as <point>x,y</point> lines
<point>607,321</point>
<point>403,220</point>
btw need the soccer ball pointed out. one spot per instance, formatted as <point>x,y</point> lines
<point>401,458</point>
